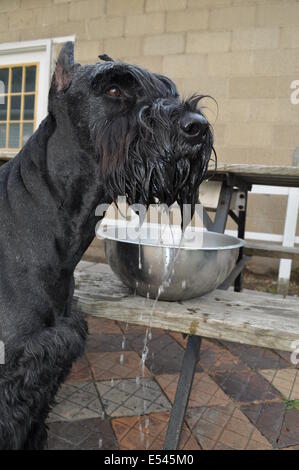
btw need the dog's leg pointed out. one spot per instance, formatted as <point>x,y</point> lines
<point>37,437</point>
<point>29,382</point>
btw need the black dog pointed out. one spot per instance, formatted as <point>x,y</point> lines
<point>112,129</point>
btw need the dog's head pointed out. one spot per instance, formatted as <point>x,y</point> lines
<point>150,145</point>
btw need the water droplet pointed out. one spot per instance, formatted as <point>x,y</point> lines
<point>183,284</point>
<point>137,380</point>
<point>100,443</point>
<point>121,359</point>
<point>112,382</point>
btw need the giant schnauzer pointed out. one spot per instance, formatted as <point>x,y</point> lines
<point>112,129</point>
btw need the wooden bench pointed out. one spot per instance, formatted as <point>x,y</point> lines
<point>259,320</point>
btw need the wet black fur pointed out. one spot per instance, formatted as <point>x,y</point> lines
<point>89,149</point>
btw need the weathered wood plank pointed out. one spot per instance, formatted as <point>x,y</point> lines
<point>261,174</point>
<point>271,251</point>
<point>266,321</point>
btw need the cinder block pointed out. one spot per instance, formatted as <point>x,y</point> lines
<point>164,44</point>
<point>139,25</point>
<point>285,136</point>
<point>107,27</point>
<point>21,19</point>
<point>286,112</point>
<point>185,66</point>
<point>213,86</point>
<point>232,17</point>
<point>152,63</point>
<point>86,9</point>
<point>253,87</point>
<point>3,22</point>
<point>187,20</point>
<point>34,3</point>
<point>230,64</point>
<point>67,29</point>
<point>206,42</point>
<point>233,110</point>
<point>165,5</point>
<point>289,37</point>
<point>123,47</point>
<point>10,36</point>
<point>88,51</point>
<point>124,7</point>
<point>51,15</point>
<point>264,110</point>
<point>278,14</point>
<point>208,3</point>
<point>9,5</point>
<point>279,62</point>
<point>246,134</point>
<point>254,155</point>
<point>258,38</point>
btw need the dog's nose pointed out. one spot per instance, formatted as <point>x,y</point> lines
<point>193,127</point>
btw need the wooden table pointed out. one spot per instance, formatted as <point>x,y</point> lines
<point>264,321</point>
<point>272,175</point>
<point>255,319</point>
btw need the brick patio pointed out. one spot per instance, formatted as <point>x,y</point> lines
<point>238,401</point>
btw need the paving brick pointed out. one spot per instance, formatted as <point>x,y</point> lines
<point>148,432</point>
<point>90,434</point>
<point>257,358</point>
<point>164,356</point>
<point>132,397</point>
<point>116,365</point>
<point>224,427</point>
<point>285,380</point>
<point>204,390</point>
<point>106,343</point>
<point>102,326</point>
<point>80,372</point>
<point>279,425</point>
<point>75,402</point>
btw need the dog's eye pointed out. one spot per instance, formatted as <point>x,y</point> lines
<point>114,91</point>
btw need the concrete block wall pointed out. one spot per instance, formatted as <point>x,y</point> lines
<point>245,53</point>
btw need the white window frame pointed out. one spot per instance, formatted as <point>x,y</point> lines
<point>37,51</point>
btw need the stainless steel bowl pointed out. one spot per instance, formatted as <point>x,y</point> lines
<point>151,265</point>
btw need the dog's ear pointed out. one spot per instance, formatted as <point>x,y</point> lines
<point>64,67</point>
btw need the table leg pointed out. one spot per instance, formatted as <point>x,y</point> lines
<point>241,234</point>
<point>179,408</point>
<point>223,208</point>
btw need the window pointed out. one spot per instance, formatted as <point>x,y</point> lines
<point>18,103</point>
